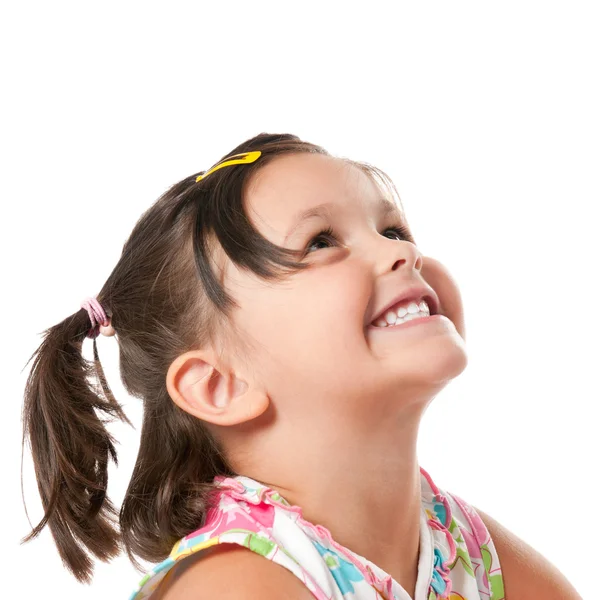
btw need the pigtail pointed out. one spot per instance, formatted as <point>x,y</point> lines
<point>71,446</point>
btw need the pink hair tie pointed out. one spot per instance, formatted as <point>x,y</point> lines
<point>100,322</point>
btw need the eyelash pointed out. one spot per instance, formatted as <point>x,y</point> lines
<point>329,233</point>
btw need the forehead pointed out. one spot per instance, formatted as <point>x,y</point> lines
<point>297,182</point>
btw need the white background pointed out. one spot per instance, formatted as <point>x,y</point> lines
<point>484,114</point>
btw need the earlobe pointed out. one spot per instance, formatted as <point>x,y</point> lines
<point>203,391</point>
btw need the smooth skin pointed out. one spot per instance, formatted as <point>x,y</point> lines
<point>314,382</point>
<point>230,572</point>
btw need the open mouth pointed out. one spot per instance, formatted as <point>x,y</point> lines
<point>404,312</point>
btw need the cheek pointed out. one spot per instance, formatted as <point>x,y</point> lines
<point>337,297</point>
<point>308,320</point>
<point>446,287</point>
<point>320,314</point>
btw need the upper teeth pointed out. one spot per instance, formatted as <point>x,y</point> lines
<point>403,311</point>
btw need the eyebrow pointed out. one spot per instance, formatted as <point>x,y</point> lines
<point>385,205</point>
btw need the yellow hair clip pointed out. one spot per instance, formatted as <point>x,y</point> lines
<point>236,159</point>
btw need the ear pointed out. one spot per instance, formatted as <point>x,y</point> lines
<point>199,388</point>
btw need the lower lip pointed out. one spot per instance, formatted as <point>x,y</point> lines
<point>411,323</point>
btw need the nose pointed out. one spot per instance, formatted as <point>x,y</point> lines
<point>393,255</point>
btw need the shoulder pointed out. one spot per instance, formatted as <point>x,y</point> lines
<point>230,571</point>
<point>525,572</point>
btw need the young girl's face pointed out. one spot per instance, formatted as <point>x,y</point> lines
<point>313,350</point>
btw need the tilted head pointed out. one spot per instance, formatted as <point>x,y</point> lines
<point>237,329</point>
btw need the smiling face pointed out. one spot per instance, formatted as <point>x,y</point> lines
<point>312,349</point>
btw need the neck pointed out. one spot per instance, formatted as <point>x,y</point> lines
<point>367,493</point>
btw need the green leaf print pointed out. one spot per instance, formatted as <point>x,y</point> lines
<point>496,582</point>
<point>259,544</point>
<point>487,558</point>
<point>497,587</point>
<point>465,560</point>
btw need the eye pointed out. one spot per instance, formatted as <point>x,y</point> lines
<point>327,234</point>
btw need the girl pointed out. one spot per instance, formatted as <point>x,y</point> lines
<point>286,336</point>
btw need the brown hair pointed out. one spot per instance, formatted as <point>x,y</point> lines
<point>159,312</point>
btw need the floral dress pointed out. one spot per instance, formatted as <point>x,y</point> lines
<point>457,557</point>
